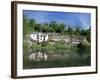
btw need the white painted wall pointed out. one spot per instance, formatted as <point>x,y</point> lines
<point>39,37</point>
<point>34,37</point>
<point>5,41</point>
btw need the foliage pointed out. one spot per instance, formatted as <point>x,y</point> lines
<point>89,35</point>
<point>30,25</point>
<point>25,25</point>
<point>83,47</point>
<point>26,47</point>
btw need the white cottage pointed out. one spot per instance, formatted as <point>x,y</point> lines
<point>40,37</point>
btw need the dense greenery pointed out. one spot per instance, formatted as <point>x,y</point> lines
<point>30,25</point>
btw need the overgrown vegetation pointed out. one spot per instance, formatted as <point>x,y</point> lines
<point>30,25</point>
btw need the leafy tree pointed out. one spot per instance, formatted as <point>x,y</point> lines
<point>28,25</point>
<point>69,29</point>
<point>78,31</point>
<point>45,27</point>
<point>83,32</point>
<point>54,26</point>
<point>89,35</point>
<point>32,24</point>
<point>38,27</point>
<point>61,28</point>
<point>83,46</point>
<point>25,25</point>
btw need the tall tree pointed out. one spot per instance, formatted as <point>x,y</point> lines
<point>45,27</point>
<point>25,25</point>
<point>89,34</point>
<point>38,27</point>
<point>83,32</point>
<point>54,25</point>
<point>60,28</point>
<point>32,23</point>
<point>69,29</point>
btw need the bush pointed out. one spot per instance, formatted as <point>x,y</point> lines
<point>26,47</point>
<point>84,47</point>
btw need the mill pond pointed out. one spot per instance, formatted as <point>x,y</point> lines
<point>56,39</point>
<point>55,51</point>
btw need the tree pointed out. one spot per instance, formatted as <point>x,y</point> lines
<point>28,25</point>
<point>38,27</point>
<point>32,23</point>
<point>89,34</point>
<point>83,32</point>
<point>70,31</point>
<point>45,27</point>
<point>54,26</point>
<point>25,25</point>
<point>61,28</point>
<point>78,30</point>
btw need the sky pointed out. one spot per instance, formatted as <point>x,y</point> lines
<point>82,20</point>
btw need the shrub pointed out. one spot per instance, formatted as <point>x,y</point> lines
<point>84,47</point>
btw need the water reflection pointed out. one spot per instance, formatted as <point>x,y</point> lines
<point>43,56</point>
<point>55,58</point>
<point>38,56</point>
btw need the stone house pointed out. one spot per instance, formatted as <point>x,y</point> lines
<point>68,39</point>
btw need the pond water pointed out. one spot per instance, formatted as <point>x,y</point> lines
<point>55,58</point>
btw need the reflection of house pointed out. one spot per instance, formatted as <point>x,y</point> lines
<point>40,37</point>
<point>38,56</point>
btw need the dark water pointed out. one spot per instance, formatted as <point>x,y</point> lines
<point>55,58</point>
